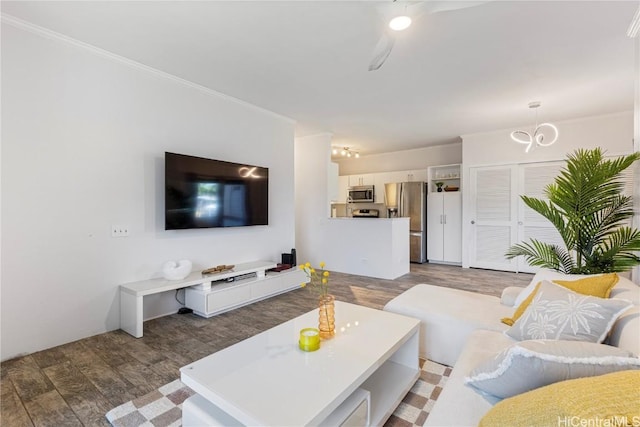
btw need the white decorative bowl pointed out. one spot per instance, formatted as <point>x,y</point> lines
<point>176,270</point>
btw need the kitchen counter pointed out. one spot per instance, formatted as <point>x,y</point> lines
<point>374,247</point>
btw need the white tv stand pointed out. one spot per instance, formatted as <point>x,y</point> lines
<point>226,296</point>
<point>207,300</point>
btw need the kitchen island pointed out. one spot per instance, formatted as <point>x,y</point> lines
<point>374,247</point>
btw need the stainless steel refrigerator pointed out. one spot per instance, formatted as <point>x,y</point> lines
<point>409,199</point>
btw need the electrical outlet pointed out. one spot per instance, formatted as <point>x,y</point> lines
<point>119,231</point>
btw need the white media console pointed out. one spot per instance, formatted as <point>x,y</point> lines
<point>209,294</point>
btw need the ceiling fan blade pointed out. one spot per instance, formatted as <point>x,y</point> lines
<point>382,51</point>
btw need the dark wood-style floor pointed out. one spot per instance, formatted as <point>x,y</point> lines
<point>77,383</point>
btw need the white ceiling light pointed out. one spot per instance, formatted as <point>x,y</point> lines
<point>400,23</point>
<point>541,132</point>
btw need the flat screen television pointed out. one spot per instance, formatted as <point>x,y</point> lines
<point>206,193</point>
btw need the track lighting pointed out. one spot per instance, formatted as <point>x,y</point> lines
<point>345,152</point>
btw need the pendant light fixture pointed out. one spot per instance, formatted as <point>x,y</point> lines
<point>544,134</point>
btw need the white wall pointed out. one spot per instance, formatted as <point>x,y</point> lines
<point>312,205</point>
<point>419,158</point>
<point>84,136</point>
<point>636,146</point>
<point>613,133</point>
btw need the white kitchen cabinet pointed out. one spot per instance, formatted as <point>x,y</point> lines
<point>416,175</point>
<point>361,179</point>
<point>379,181</point>
<point>444,227</point>
<point>343,188</point>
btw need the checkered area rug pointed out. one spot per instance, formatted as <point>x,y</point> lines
<point>163,407</point>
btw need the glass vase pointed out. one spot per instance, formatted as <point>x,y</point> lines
<point>326,318</point>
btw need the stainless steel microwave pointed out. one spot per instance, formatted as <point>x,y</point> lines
<point>361,194</point>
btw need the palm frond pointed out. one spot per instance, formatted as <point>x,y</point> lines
<point>542,254</point>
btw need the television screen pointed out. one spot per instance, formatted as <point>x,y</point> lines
<point>205,193</point>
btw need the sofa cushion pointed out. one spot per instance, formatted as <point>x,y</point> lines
<point>458,404</point>
<point>559,313</point>
<point>447,317</point>
<point>597,286</point>
<point>528,365</point>
<point>626,289</point>
<point>626,331</point>
<point>583,401</point>
<point>552,275</point>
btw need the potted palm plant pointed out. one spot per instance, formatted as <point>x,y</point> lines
<point>586,205</point>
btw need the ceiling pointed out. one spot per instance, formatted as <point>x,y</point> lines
<point>451,73</point>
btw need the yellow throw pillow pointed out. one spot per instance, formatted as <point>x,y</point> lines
<point>611,400</point>
<point>521,308</point>
<point>597,286</point>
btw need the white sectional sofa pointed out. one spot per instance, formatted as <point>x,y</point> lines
<point>461,329</point>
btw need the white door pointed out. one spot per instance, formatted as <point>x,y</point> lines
<point>452,242</point>
<point>435,227</point>
<point>493,216</point>
<point>532,181</point>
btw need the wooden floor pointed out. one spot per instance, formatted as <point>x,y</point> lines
<point>77,383</point>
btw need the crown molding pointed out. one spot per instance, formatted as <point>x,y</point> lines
<point>52,35</point>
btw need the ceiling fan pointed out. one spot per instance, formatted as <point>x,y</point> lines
<point>398,16</point>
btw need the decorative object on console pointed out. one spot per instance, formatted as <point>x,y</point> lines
<point>289,258</point>
<point>319,281</point>
<point>559,313</point>
<point>451,188</point>
<point>587,206</point>
<point>176,270</point>
<point>528,365</point>
<point>537,139</point>
<point>439,184</point>
<point>218,269</point>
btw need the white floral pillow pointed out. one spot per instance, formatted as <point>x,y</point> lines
<point>558,313</point>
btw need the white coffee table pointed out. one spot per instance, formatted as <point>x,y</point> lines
<point>267,380</point>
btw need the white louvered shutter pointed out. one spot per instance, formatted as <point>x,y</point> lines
<point>532,181</point>
<point>493,217</point>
